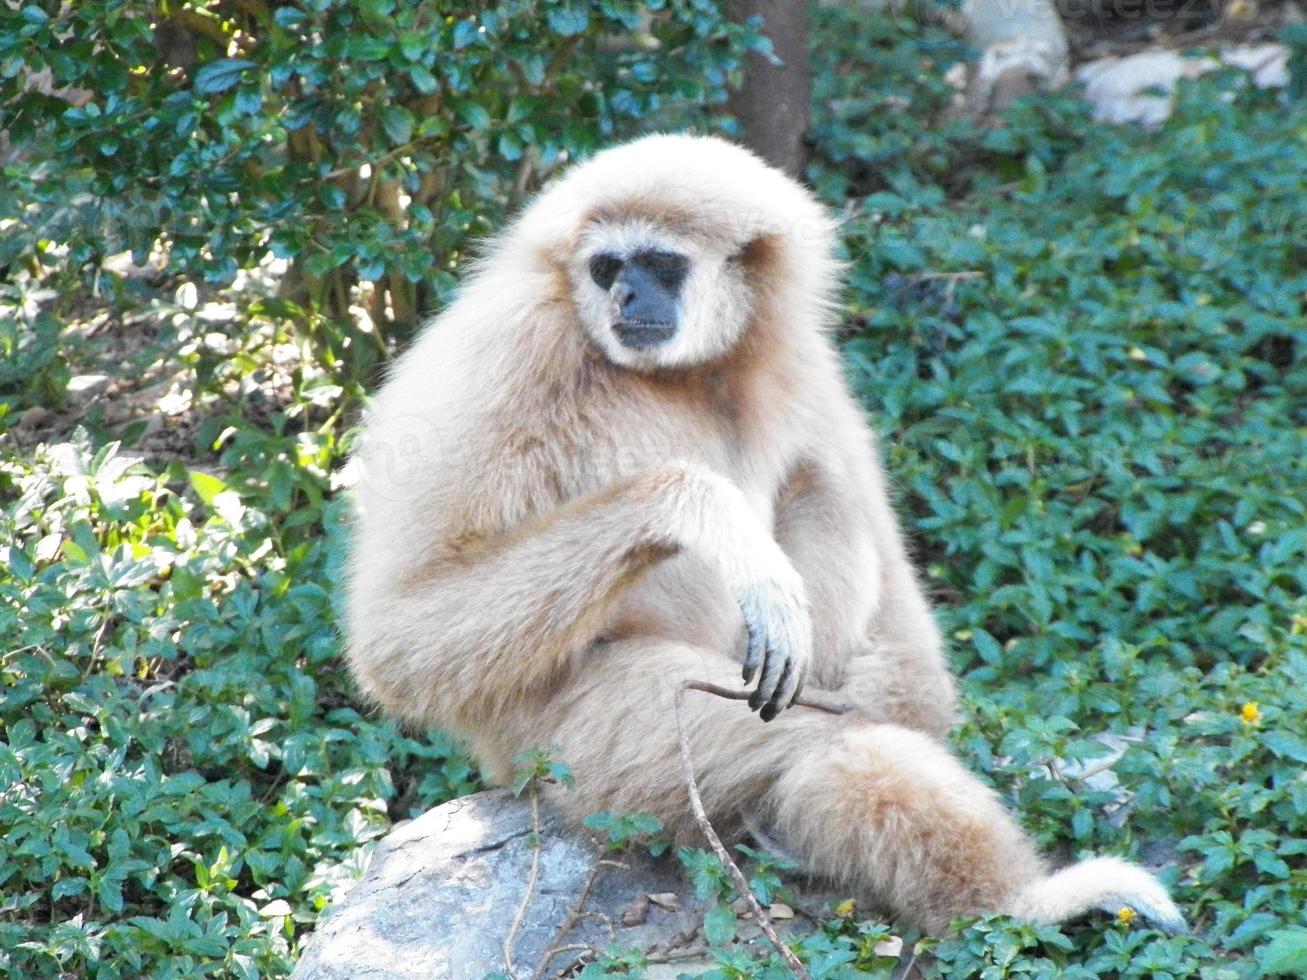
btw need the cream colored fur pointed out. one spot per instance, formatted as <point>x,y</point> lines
<point>553,532</point>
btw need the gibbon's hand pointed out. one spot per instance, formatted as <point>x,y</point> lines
<point>780,643</point>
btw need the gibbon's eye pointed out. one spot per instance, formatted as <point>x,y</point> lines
<point>670,267</point>
<point>604,269</point>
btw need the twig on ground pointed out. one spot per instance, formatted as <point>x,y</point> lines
<point>689,952</point>
<point>909,962</point>
<point>530,886</point>
<point>584,949</point>
<point>574,916</point>
<point>701,817</point>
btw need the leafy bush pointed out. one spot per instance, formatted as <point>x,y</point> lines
<point>366,142</point>
<point>1085,347</point>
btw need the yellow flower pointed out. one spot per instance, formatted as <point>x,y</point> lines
<point>845,909</point>
<point>1126,915</point>
<point>1250,714</point>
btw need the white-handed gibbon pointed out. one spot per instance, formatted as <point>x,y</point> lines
<point>625,457</point>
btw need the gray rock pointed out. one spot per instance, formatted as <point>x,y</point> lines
<point>440,893</point>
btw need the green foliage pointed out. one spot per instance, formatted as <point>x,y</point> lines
<point>1286,952</point>
<point>623,830</point>
<point>1085,348</point>
<point>180,793</point>
<point>615,963</point>
<point>538,767</point>
<point>716,890</point>
<point>1084,345</point>
<point>365,142</point>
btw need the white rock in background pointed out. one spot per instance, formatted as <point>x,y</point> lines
<point>1267,63</point>
<point>1141,87</point>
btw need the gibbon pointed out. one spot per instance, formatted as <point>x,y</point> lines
<point>625,457</point>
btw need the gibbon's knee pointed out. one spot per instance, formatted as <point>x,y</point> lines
<point>890,810</point>
<point>914,692</point>
<point>616,729</point>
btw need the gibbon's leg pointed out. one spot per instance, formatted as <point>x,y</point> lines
<point>892,683</point>
<point>882,809</point>
<point>903,668</point>
<point>873,629</point>
<point>479,633</point>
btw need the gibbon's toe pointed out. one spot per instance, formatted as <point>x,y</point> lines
<point>1158,911</point>
<point>1106,883</point>
<point>1146,896</point>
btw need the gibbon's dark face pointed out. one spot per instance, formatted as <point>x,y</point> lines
<point>646,289</point>
<point>650,298</point>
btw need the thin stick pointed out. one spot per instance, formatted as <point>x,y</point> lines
<point>907,968</point>
<point>585,949</point>
<point>701,817</point>
<point>574,916</point>
<point>680,954</point>
<point>731,694</point>
<point>530,886</point>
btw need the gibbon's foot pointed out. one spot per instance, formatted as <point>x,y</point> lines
<point>1106,883</point>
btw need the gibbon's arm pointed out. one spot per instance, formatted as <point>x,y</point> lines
<point>481,630</point>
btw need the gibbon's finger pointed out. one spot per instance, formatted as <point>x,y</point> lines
<point>755,649</point>
<point>772,667</point>
<point>798,687</point>
<point>758,696</point>
<point>772,708</point>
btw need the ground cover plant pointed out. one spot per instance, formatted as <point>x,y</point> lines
<point>1085,346</point>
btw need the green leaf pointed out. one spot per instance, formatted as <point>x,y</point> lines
<point>423,80</point>
<point>398,123</point>
<point>206,486</point>
<point>1286,745</point>
<point>1285,953</point>
<point>719,924</point>
<point>465,33</point>
<point>989,649</point>
<point>474,114</point>
<point>568,22</point>
<point>67,887</point>
<point>218,76</point>
<point>110,894</point>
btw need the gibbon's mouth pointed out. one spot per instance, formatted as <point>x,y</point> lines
<point>643,334</point>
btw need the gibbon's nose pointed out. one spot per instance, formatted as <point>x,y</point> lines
<point>624,293</point>
<point>642,299</point>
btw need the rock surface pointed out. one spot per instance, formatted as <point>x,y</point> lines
<point>441,892</point>
<point>1141,87</point>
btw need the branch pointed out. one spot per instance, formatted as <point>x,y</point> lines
<point>696,804</point>
<point>574,916</point>
<point>530,886</point>
<point>731,694</point>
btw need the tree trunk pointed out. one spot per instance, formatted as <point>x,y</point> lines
<point>774,103</point>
